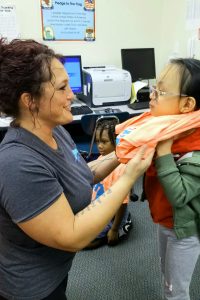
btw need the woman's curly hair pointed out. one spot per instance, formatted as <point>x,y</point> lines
<point>24,66</point>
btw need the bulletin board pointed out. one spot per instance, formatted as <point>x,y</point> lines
<point>68,20</point>
<point>9,27</point>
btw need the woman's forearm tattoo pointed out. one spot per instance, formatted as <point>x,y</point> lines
<point>95,202</point>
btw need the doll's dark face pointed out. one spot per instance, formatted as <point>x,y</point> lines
<point>103,142</point>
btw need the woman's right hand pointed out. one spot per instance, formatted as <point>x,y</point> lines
<point>138,164</point>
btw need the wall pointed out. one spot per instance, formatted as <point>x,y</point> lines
<point>119,24</point>
<point>173,35</point>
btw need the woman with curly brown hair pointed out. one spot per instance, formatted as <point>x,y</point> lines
<point>46,213</point>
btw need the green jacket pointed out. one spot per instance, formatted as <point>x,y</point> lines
<point>181,183</point>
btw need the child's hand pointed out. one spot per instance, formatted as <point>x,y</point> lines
<point>113,237</point>
<point>164,147</point>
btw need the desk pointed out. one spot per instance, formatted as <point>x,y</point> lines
<point>81,139</point>
<point>74,128</point>
<point>5,122</point>
<point>132,112</point>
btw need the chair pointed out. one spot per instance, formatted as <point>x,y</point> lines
<point>89,124</point>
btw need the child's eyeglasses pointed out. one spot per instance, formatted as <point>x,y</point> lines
<point>155,93</point>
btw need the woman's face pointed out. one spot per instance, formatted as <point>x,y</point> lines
<point>103,142</point>
<point>167,103</point>
<point>55,103</point>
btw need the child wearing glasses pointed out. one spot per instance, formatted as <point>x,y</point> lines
<point>172,183</point>
<point>118,228</point>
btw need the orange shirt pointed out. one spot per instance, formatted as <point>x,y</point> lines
<point>161,209</point>
<point>146,129</point>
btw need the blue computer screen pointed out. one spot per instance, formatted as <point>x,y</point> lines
<point>73,67</point>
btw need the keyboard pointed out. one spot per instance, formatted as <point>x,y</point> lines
<point>139,105</point>
<point>81,110</point>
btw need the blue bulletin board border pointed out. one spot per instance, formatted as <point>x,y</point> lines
<point>67,20</point>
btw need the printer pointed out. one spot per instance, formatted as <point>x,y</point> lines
<point>105,86</point>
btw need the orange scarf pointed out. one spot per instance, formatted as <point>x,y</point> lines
<point>149,130</point>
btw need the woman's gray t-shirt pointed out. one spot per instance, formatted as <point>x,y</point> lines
<point>33,176</point>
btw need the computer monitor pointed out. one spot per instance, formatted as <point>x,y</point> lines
<point>140,62</point>
<point>73,66</point>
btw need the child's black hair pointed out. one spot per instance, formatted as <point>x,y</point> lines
<point>109,126</point>
<point>189,77</point>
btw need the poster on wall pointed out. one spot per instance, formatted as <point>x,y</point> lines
<point>9,27</point>
<point>68,20</point>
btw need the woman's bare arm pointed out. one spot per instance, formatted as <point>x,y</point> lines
<point>59,228</point>
<point>104,166</point>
